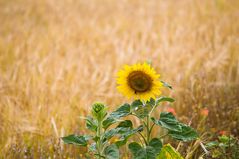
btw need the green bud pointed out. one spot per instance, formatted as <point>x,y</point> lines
<point>98,111</point>
<point>223,139</point>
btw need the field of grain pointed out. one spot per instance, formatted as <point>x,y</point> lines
<point>58,57</point>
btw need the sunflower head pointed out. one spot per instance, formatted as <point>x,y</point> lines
<point>139,81</point>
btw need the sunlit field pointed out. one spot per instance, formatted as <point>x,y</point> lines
<point>59,57</point>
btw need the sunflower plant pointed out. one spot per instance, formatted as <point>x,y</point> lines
<point>100,141</point>
<point>141,83</point>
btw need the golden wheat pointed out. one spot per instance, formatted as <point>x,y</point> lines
<point>58,57</point>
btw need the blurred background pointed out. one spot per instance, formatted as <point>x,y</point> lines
<point>58,57</point>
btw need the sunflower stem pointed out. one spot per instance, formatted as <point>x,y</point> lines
<point>151,128</point>
<point>147,130</point>
<point>143,137</point>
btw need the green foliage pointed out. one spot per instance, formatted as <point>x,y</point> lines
<point>156,144</point>
<point>164,99</point>
<point>140,152</point>
<point>126,135</point>
<point>175,129</point>
<point>137,103</point>
<point>110,133</point>
<point>212,144</point>
<point>108,121</point>
<point>168,121</point>
<point>143,111</point>
<point>224,139</point>
<point>151,102</point>
<point>122,111</point>
<point>135,149</point>
<point>111,152</point>
<point>91,124</point>
<point>106,127</point>
<point>152,146</point>
<point>101,146</point>
<point>187,133</point>
<point>126,124</point>
<point>168,152</point>
<point>75,140</point>
<point>165,84</point>
<point>148,152</point>
<point>224,147</point>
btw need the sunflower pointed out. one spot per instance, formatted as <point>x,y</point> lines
<point>139,81</point>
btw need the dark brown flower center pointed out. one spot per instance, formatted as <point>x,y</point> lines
<point>139,81</point>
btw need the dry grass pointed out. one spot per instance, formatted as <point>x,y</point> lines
<point>57,57</point>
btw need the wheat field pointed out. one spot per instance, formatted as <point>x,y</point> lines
<point>58,57</point>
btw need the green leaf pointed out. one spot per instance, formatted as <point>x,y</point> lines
<point>126,135</point>
<point>126,124</point>
<point>110,133</point>
<point>133,131</point>
<point>176,129</point>
<point>151,102</point>
<point>150,152</point>
<point>168,121</point>
<point>75,140</point>
<point>136,104</point>
<point>168,152</point>
<point>156,144</point>
<point>223,139</point>
<point>122,111</point>
<point>139,152</point>
<point>143,111</point>
<point>165,84</point>
<point>212,144</point>
<point>91,124</point>
<point>136,150</point>
<point>187,133</point>
<point>164,99</point>
<point>111,152</point>
<point>108,121</point>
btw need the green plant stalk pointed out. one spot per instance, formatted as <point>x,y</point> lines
<point>149,127</point>
<point>99,144</point>
<point>145,141</point>
<point>147,130</point>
